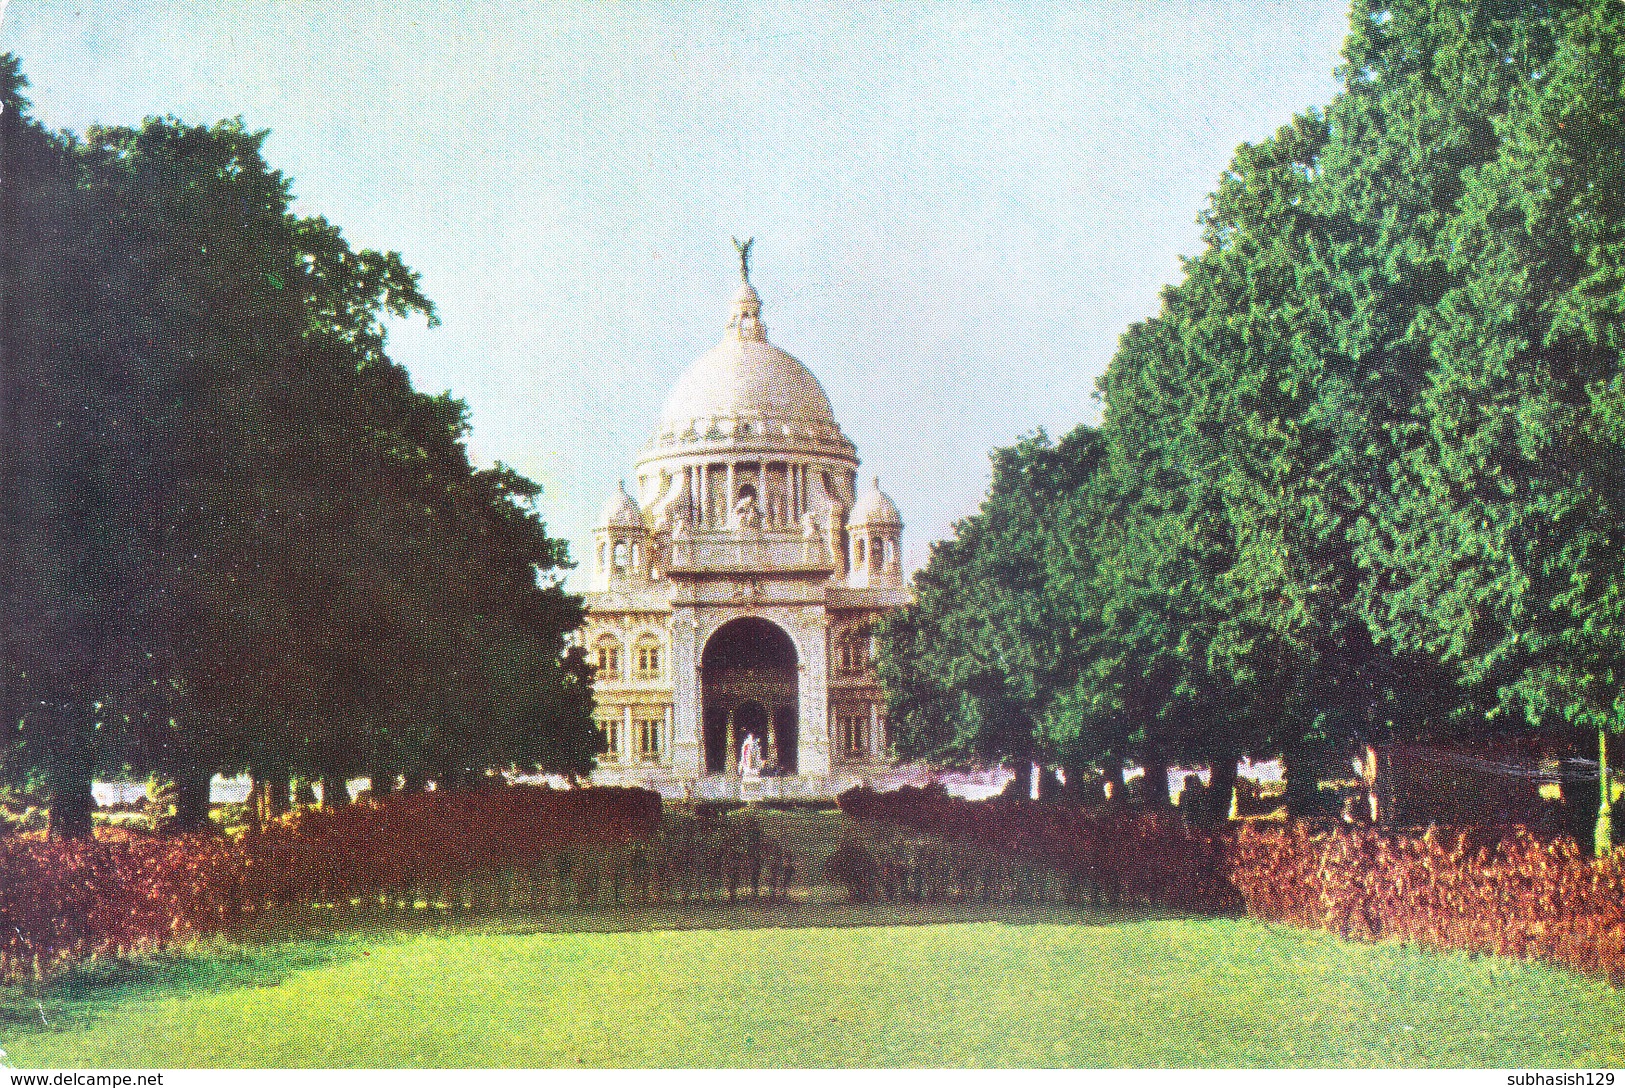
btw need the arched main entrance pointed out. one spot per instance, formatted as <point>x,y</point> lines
<point>748,685</point>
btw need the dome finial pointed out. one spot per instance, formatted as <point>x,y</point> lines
<point>746,321</point>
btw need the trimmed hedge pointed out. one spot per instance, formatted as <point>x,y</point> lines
<point>66,901</point>
<point>1118,853</point>
<point>1504,891</point>
<point>1507,892</point>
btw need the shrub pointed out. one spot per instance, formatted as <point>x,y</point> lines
<point>1505,891</point>
<point>853,867</point>
<point>1110,853</point>
<point>120,893</point>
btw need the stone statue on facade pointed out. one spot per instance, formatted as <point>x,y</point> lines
<point>750,756</point>
<point>746,515</point>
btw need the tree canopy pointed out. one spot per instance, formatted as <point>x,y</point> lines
<point>1358,478</point>
<point>237,538</point>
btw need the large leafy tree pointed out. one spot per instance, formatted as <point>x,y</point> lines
<point>242,539</point>
<point>1358,471</point>
<point>70,634</point>
<point>1501,552</point>
<point>972,666</point>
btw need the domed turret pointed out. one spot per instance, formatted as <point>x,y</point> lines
<point>621,511</point>
<point>621,542</point>
<point>746,390</point>
<point>748,423</point>
<point>875,535</point>
<point>874,507</point>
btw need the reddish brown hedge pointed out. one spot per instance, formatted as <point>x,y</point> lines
<point>1155,859</point>
<point>65,901</point>
<point>1504,891</point>
<point>1507,892</point>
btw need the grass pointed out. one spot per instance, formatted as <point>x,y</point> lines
<point>816,982</point>
<point>1034,989</point>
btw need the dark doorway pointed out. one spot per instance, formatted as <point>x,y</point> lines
<point>786,735</point>
<point>748,684</point>
<point>716,739</point>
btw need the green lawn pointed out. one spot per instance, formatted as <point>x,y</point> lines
<point>823,985</point>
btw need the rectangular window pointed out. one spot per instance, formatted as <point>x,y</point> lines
<point>611,730</point>
<point>853,734</point>
<point>648,734</point>
<point>856,653</point>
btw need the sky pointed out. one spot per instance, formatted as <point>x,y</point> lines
<point>958,208</point>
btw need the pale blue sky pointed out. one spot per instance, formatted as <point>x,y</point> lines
<point>957,208</point>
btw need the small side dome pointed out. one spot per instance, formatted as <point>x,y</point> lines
<point>874,508</point>
<point>621,511</point>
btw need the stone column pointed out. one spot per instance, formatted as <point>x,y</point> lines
<point>685,693</point>
<point>733,746</point>
<point>812,755</point>
<point>728,501</point>
<point>629,746</point>
<point>874,730</point>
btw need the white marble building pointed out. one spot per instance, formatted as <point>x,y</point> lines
<point>735,591</point>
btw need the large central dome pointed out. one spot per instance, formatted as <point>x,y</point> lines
<point>747,384</point>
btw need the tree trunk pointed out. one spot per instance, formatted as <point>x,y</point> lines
<point>1302,782</point>
<point>334,792</point>
<point>72,803</point>
<point>1049,786</point>
<point>257,803</point>
<point>269,798</point>
<point>1221,790</point>
<point>191,800</point>
<point>1582,793</point>
<point>381,783</point>
<point>1154,786</point>
<point>277,788</point>
<point>1023,783</point>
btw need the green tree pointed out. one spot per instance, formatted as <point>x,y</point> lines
<point>971,666</point>
<point>1500,553</point>
<point>240,539</point>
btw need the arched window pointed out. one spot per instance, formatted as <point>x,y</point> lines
<point>859,559</point>
<point>646,662</point>
<point>622,554</point>
<point>609,658</point>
